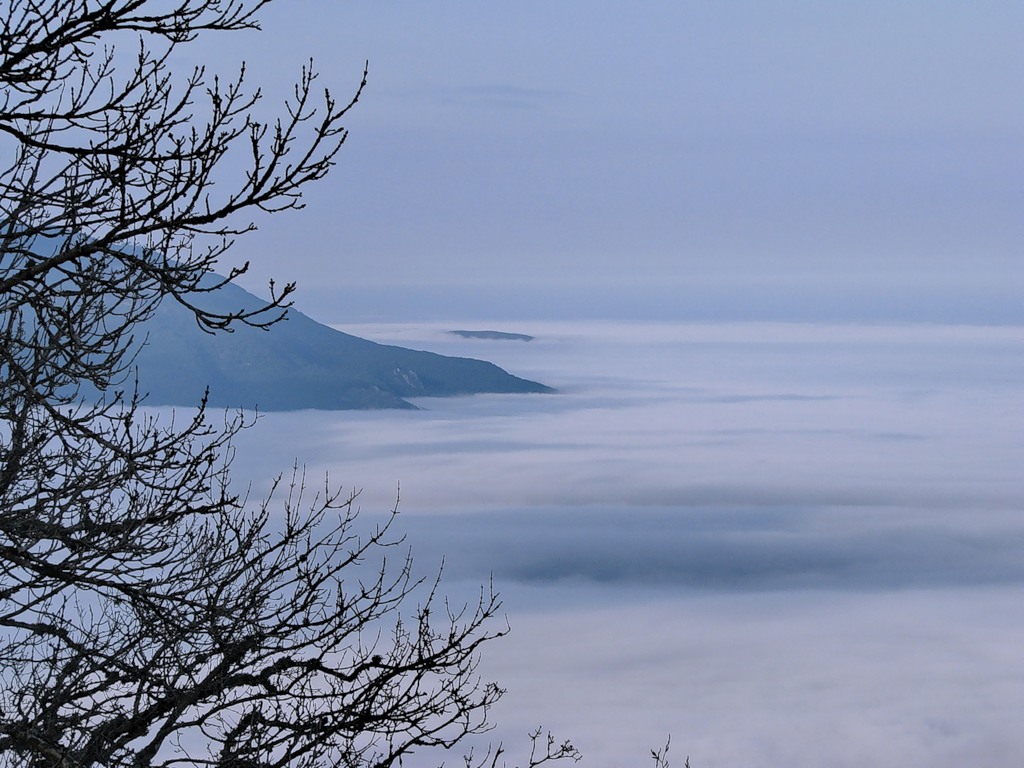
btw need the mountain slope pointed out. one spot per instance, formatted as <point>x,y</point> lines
<point>297,364</point>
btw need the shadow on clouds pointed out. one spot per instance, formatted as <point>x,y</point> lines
<point>848,548</point>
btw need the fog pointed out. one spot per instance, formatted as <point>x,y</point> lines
<point>784,544</point>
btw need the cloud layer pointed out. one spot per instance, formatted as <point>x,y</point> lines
<point>785,544</point>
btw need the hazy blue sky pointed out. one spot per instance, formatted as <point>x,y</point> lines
<point>552,156</point>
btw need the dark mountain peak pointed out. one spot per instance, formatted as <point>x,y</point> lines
<point>296,364</point>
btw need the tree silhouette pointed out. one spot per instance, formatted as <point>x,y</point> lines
<point>149,615</point>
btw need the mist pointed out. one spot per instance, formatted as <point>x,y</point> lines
<point>782,543</point>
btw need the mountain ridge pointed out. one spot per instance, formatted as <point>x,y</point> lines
<point>297,364</point>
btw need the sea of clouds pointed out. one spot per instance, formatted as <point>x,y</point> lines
<point>782,544</point>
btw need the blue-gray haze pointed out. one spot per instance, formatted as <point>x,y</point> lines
<point>786,544</point>
<point>660,158</point>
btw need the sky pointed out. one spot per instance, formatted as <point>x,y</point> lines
<point>782,544</point>
<point>746,160</point>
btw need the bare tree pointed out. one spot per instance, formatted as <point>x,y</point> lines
<point>149,616</point>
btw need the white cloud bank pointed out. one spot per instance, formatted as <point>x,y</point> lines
<point>787,545</point>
